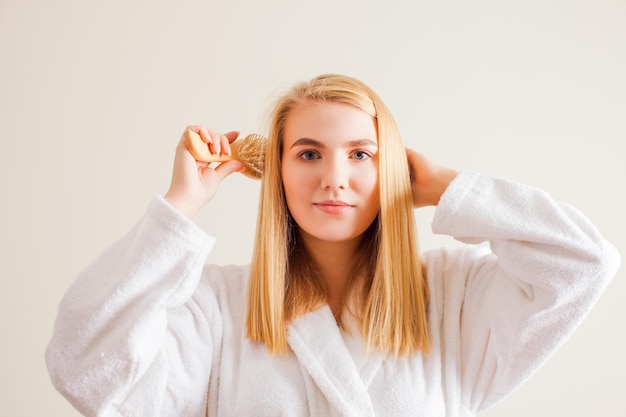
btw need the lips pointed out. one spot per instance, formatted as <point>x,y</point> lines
<point>333,206</point>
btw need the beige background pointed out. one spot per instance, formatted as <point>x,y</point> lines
<point>94,95</point>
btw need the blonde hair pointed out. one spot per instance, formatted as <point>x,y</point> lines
<point>386,290</point>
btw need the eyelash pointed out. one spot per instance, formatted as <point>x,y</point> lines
<point>366,154</point>
<point>308,152</point>
<point>316,155</point>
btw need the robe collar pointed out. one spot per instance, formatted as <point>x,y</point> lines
<point>321,350</point>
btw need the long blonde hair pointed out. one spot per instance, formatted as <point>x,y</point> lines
<point>386,287</point>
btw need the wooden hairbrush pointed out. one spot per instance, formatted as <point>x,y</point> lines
<point>250,151</point>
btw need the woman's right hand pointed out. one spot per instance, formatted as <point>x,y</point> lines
<point>195,183</point>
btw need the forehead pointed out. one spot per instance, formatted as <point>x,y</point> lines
<point>325,121</point>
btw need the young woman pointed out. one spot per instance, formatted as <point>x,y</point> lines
<point>337,314</point>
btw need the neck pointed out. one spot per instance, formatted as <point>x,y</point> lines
<point>333,261</point>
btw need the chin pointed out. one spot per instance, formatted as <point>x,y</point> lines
<point>333,235</point>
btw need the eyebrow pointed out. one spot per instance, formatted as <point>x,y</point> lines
<point>350,144</point>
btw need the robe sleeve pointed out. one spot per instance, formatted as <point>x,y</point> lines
<point>130,334</point>
<point>505,306</point>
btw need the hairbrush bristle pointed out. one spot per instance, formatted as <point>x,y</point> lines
<point>251,151</point>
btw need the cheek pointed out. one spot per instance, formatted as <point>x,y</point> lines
<point>291,192</point>
<point>367,181</point>
<point>294,184</point>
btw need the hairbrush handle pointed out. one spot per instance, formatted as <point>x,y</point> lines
<point>200,149</point>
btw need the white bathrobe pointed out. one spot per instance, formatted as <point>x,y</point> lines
<point>149,330</point>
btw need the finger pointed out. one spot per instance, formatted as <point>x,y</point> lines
<point>230,138</point>
<point>216,142</point>
<point>225,145</point>
<point>183,156</point>
<point>205,135</point>
<point>194,128</point>
<point>226,168</point>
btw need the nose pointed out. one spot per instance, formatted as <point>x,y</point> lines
<point>336,174</point>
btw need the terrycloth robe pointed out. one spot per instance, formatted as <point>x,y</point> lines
<point>149,330</point>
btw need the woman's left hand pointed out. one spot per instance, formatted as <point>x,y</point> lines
<point>428,180</point>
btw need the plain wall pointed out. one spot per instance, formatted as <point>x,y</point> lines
<point>94,96</point>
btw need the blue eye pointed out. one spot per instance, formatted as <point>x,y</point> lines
<point>309,155</point>
<point>360,155</point>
